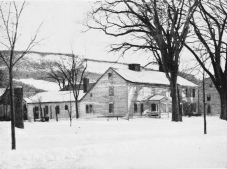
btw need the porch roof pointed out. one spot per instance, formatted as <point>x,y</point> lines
<point>156,98</point>
<point>160,98</point>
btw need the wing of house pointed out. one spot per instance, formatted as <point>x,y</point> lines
<point>49,103</point>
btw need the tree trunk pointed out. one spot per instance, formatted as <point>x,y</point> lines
<point>176,115</point>
<point>77,111</point>
<point>70,120</point>
<point>12,109</point>
<point>19,120</point>
<point>204,107</point>
<point>223,96</point>
<point>56,116</point>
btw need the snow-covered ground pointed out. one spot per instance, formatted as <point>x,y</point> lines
<point>140,143</point>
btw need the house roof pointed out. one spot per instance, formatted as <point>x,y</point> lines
<point>150,77</point>
<point>50,97</point>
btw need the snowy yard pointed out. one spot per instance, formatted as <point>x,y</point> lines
<point>140,143</point>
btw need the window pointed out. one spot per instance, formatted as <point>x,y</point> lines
<point>208,109</point>
<point>135,108</point>
<point>193,92</point>
<point>89,108</point>
<point>111,107</point>
<point>46,110</point>
<point>111,91</point>
<point>36,112</point>
<point>110,75</point>
<point>66,107</point>
<point>154,107</point>
<point>208,97</point>
<point>91,94</point>
<point>210,85</point>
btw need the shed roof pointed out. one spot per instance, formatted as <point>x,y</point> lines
<point>150,77</point>
<point>53,97</point>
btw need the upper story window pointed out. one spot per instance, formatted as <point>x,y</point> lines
<point>208,97</point>
<point>110,76</point>
<point>111,91</point>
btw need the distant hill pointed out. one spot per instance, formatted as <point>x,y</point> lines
<point>36,65</point>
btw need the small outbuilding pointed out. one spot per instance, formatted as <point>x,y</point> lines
<point>52,105</point>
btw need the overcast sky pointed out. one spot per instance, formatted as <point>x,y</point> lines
<point>61,31</point>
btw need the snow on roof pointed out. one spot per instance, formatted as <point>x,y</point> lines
<point>59,96</point>
<point>40,84</point>
<point>102,66</point>
<point>150,77</point>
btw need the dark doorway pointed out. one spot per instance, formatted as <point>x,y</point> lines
<point>141,109</point>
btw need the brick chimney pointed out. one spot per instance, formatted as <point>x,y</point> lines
<point>85,84</point>
<point>134,67</point>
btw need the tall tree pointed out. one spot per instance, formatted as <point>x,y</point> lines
<point>157,26</point>
<point>209,47</point>
<point>10,15</point>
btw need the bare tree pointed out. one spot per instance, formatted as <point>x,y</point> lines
<point>56,75</point>
<point>73,70</point>
<point>10,15</point>
<point>209,47</point>
<point>156,26</point>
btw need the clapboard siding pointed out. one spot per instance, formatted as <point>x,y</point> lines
<point>99,97</point>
